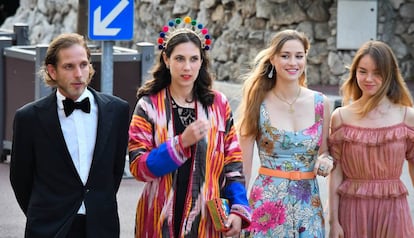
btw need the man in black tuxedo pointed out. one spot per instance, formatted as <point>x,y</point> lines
<point>68,151</point>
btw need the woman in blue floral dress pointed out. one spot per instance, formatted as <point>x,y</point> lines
<point>289,123</point>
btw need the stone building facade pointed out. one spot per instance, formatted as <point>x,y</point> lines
<point>240,28</point>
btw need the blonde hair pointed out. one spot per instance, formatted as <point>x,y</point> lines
<point>257,83</point>
<point>393,85</point>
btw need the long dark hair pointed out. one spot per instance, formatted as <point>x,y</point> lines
<point>161,77</point>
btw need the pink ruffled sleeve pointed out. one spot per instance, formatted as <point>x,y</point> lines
<point>335,143</point>
<point>410,143</point>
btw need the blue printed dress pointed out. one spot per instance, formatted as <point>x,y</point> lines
<point>283,207</point>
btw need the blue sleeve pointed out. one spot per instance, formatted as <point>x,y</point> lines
<point>236,193</point>
<point>160,161</point>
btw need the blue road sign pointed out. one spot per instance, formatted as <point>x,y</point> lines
<point>111,20</point>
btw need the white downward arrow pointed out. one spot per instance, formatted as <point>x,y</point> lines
<point>100,27</point>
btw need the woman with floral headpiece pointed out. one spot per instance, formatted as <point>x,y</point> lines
<point>183,143</point>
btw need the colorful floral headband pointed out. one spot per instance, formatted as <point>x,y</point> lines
<point>173,28</point>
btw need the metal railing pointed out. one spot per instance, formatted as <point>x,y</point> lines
<point>20,82</point>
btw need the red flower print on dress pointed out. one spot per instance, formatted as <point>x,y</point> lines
<point>268,216</point>
<point>267,180</point>
<point>319,109</point>
<point>313,130</point>
<point>256,194</point>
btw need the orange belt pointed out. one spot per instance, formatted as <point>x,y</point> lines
<point>292,175</point>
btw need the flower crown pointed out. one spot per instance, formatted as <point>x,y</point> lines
<point>190,26</point>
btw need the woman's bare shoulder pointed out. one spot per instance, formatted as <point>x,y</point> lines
<point>341,114</point>
<point>409,117</point>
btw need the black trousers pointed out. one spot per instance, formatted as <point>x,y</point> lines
<point>78,228</point>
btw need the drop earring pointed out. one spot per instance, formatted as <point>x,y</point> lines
<point>270,75</point>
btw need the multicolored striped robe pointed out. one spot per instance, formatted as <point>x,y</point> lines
<point>155,155</point>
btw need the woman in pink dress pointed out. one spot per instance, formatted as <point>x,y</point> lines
<point>371,136</point>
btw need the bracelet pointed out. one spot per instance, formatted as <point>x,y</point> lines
<point>329,157</point>
<point>326,154</point>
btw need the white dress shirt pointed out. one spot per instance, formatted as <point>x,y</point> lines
<point>79,130</point>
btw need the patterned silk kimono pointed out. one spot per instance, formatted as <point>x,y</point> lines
<point>155,156</point>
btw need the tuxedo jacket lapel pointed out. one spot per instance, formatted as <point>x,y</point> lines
<point>105,118</point>
<point>49,120</point>
<point>48,117</point>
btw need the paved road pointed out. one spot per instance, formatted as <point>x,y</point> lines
<point>12,219</point>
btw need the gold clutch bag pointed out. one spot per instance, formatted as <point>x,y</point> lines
<point>219,210</point>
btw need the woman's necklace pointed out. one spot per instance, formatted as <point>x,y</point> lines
<point>379,111</point>
<point>183,102</point>
<point>291,109</point>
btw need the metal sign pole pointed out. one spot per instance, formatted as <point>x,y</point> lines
<point>110,21</point>
<point>107,67</point>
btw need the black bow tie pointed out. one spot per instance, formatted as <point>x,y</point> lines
<point>69,105</point>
